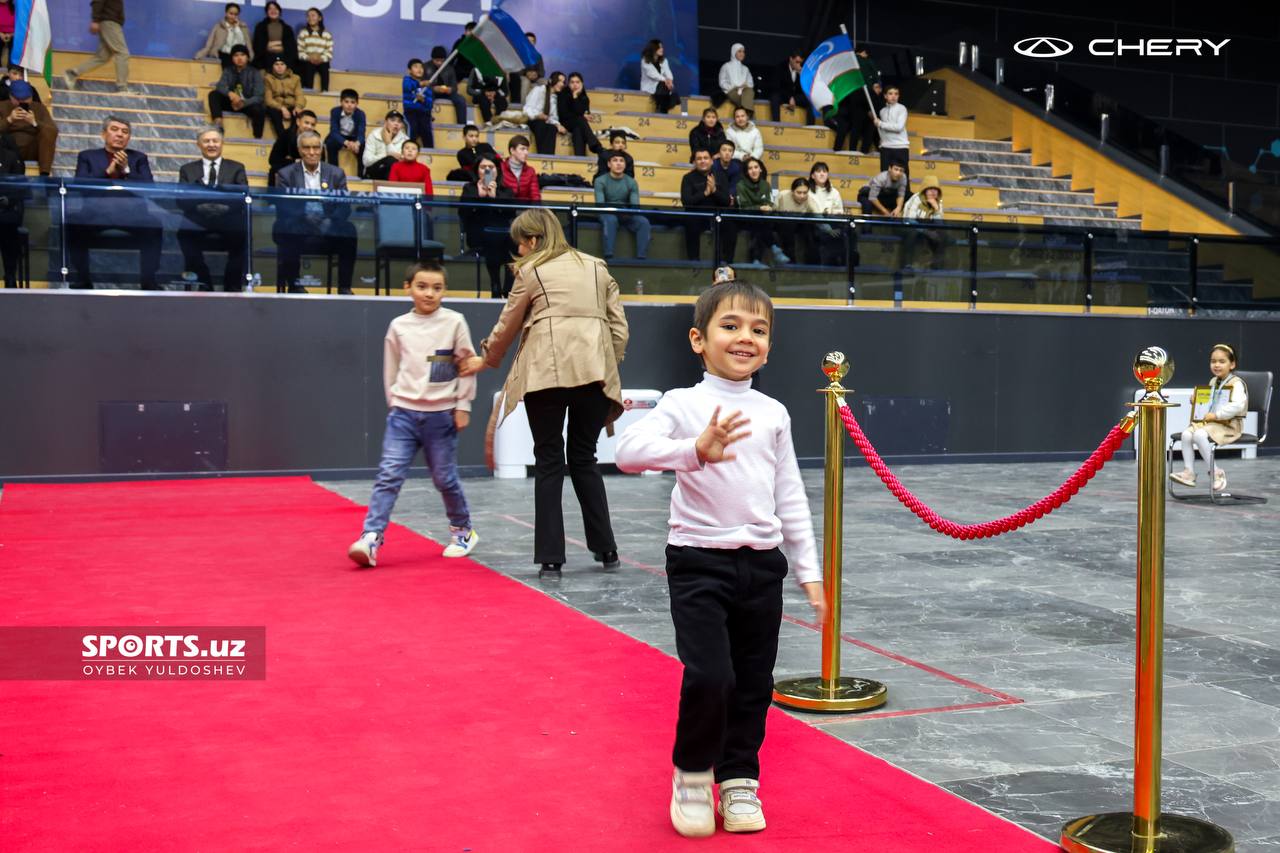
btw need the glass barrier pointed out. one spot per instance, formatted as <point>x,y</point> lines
<point>65,233</point>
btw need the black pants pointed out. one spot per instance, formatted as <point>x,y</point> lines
<point>726,606</point>
<point>796,239</point>
<point>333,146</point>
<point>496,247</point>
<point>419,128</point>
<point>220,103</point>
<point>145,239</point>
<point>336,237</point>
<point>588,407</point>
<point>308,73</point>
<point>583,138</point>
<point>217,236</point>
<point>664,99</point>
<point>380,170</point>
<point>544,136</point>
<point>488,109</point>
<point>693,229</point>
<point>10,251</point>
<point>901,156</point>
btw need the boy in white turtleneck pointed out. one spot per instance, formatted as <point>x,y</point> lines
<point>738,496</point>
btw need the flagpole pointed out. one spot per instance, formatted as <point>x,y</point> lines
<point>845,30</point>
<point>443,66</point>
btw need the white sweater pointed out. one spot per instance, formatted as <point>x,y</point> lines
<point>375,147</point>
<point>756,500</point>
<point>747,141</point>
<point>893,127</point>
<point>650,76</point>
<point>418,371</point>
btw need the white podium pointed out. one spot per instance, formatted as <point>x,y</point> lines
<point>1180,416</point>
<point>513,443</point>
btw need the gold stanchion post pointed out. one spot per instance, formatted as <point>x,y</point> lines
<point>829,692</point>
<point>1145,829</point>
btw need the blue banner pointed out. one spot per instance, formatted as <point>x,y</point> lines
<point>601,40</point>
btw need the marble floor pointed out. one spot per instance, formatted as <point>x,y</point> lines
<point>1009,662</point>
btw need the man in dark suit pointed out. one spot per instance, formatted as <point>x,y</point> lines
<point>312,226</point>
<point>787,89</point>
<point>103,211</point>
<point>215,224</point>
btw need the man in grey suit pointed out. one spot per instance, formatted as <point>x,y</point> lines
<point>214,223</point>
<point>312,226</point>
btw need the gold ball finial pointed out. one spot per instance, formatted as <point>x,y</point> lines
<point>835,366</point>
<point>1153,368</point>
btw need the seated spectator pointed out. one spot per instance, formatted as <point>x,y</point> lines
<point>656,78</point>
<point>736,82</point>
<point>885,193</point>
<point>416,97</point>
<point>312,226</point>
<point>576,116</point>
<point>755,195</point>
<point>240,90</point>
<point>726,169</point>
<point>28,125</point>
<point>827,201</point>
<point>284,98</point>
<point>285,149</point>
<point>699,190</point>
<point>222,220</point>
<point>617,145</point>
<point>315,50</point>
<point>517,175</point>
<point>708,135</point>
<point>225,35</point>
<point>273,37</point>
<point>117,162</point>
<point>473,149</point>
<point>407,170</point>
<point>463,64</point>
<point>346,128</point>
<point>11,212</point>
<point>382,147</point>
<point>487,228</point>
<point>790,231</point>
<point>923,208</point>
<point>744,135</point>
<point>541,108</point>
<point>619,189</point>
<point>14,74</point>
<point>521,84</point>
<point>488,94</point>
<point>445,87</point>
<point>787,90</point>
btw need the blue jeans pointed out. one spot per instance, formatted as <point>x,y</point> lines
<point>407,432</point>
<point>636,224</point>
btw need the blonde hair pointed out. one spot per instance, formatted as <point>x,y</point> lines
<point>538,223</point>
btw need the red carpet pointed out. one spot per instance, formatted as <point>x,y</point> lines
<point>428,704</point>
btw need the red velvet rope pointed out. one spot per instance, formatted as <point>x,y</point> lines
<point>1022,517</point>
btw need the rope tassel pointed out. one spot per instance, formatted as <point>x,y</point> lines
<point>986,529</point>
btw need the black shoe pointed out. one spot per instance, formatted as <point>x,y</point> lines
<point>609,559</point>
<point>549,572</point>
<point>296,289</point>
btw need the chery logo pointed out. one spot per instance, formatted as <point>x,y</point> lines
<point>1051,47</point>
<point>1044,47</point>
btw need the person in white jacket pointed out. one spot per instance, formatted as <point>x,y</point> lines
<point>382,147</point>
<point>736,81</point>
<point>655,76</point>
<point>892,124</point>
<point>745,136</point>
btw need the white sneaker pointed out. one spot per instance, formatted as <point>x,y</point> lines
<point>779,256</point>
<point>1219,480</point>
<point>461,543</point>
<point>1185,477</point>
<point>71,78</point>
<point>691,812</point>
<point>740,807</point>
<point>364,551</point>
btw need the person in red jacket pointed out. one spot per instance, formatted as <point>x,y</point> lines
<point>517,175</point>
<point>409,171</point>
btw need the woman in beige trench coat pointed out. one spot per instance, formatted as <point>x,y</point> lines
<point>564,310</point>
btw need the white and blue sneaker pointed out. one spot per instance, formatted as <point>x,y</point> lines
<point>461,542</point>
<point>364,551</point>
<point>740,805</point>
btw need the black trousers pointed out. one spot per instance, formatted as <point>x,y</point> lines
<point>664,98</point>
<point>226,236</point>
<point>588,407</point>
<point>308,73</point>
<point>693,229</point>
<point>802,103</point>
<point>333,146</point>
<point>488,109</point>
<point>544,136</point>
<point>496,247</point>
<point>10,252</point>
<point>419,128</point>
<point>380,170</point>
<point>335,236</point>
<point>220,103</point>
<point>583,138</point>
<point>146,240</point>
<point>726,606</point>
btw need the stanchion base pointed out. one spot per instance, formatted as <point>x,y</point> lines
<point>1113,833</point>
<point>812,694</point>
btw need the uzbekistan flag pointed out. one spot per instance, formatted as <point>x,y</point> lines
<point>497,45</point>
<point>831,74</point>
<point>31,38</point>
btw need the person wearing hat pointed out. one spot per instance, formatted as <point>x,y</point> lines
<point>922,208</point>
<point>29,126</point>
<point>382,147</point>
<point>284,98</point>
<point>489,94</point>
<point>445,87</point>
<point>240,90</point>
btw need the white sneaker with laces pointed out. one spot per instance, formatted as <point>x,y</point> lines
<point>691,812</point>
<point>1185,477</point>
<point>461,542</point>
<point>740,806</point>
<point>364,551</point>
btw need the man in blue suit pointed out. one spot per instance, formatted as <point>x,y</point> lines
<point>100,212</point>
<point>313,226</point>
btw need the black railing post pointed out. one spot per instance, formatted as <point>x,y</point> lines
<point>715,240</point>
<point>573,225</point>
<point>1193,257</point>
<point>851,258</point>
<point>1088,272</point>
<point>973,267</point>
